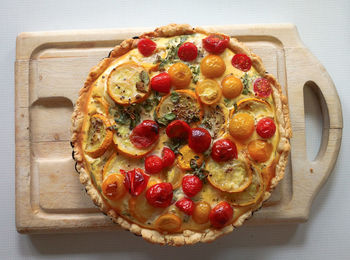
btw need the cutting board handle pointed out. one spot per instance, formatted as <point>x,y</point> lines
<point>309,176</point>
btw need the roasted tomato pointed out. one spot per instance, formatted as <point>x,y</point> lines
<point>146,46</point>
<point>113,187</point>
<point>212,66</point>
<point>208,91</point>
<point>231,86</point>
<point>186,155</point>
<point>216,43</point>
<point>262,87</point>
<point>191,185</point>
<point>186,205</point>
<point>168,157</point>
<point>145,134</point>
<point>178,129</point>
<point>201,212</point>
<point>180,75</point>
<point>221,215</point>
<point>223,150</point>
<point>266,127</point>
<point>242,126</point>
<point>260,150</point>
<point>241,62</point>
<point>168,222</point>
<point>187,51</point>
<point>199,140</point>
<point>153,164</point>
<point>135,181</point>
<point>160,195</point>
<point>161,82</point>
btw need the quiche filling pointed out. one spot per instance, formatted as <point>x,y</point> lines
<point>181,133</point>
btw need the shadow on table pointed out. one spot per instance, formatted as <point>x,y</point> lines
<point>123,242</point>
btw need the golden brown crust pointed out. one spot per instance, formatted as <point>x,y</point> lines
<point>187,237</point>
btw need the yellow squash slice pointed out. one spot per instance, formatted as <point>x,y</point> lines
<point>215,119</point>
<point>184,104</point>
<point>99,136</point>
<point>141,210</point>
<point>230,176</point>
<point>254,105</point>
<point>117,162</point>
<point>251,194</point>
<point>128,83</point>
<point>174,176</point>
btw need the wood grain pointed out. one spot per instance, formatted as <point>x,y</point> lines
<point>51,68</point>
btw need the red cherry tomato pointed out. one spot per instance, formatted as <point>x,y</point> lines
<point>221,215</point>
<point>178,129</point>
<point>186,205</point>
<point>160,195</point>
<point>241,62</point>
<point>223,150</point>
<point>146,46</point>
<point>216,43</point>
<point>153,164</point>
<point>168,157</point>
<point>266,127</point>
<point>199,140</point>
<point>161,82</point>
<point>135,181</point>
<point>187,51</point>
<point>145,134</point>
<point>262,87</point>
<point>191,185</point>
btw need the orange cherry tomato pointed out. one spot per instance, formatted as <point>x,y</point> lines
<point>260,150</point>
<point>180,75</point>
<point>201,212</point>
<point>212,66</point>
<point>113,187</point>
<point>208,91</point>
<point>231,86</point>
<point>241,126</point>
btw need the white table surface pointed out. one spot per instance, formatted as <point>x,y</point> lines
<point>324,27</point>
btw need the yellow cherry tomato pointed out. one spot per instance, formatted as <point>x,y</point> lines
<point>113,187</point>
<point>201,212</point>
<point>168,222</point>
<point>212,66</point>
<point>231,86</point>
<point>208,91</point>
<point>241,126</point>
<point>180,75</point>
<point>260,150</point>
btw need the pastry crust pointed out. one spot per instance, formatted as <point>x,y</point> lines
<point>187,237</point>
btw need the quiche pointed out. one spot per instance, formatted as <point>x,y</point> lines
<point>180,134</point>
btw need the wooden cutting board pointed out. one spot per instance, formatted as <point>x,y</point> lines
<point>51,68</point>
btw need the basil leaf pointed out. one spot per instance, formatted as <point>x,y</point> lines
<point>170,117</point>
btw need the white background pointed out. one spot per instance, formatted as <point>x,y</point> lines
<point>324,27</point>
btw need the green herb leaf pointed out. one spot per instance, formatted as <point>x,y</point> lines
<point>144,77</point>
<point>170,117</point>
<point>195,72</point>
<point>174,97</point>
<point>245,81</point>
<point>175,144</point>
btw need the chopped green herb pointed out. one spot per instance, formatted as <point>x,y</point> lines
<point>172,49</point>
<point>199,171</point>
<point>165,120</point>
<point>144,77</point>
<point>245,81</point>
<point>195,72</point>
<point>174,97</point>
<point>175,144</point>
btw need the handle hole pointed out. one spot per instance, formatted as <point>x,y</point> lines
<point>314,119</point>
